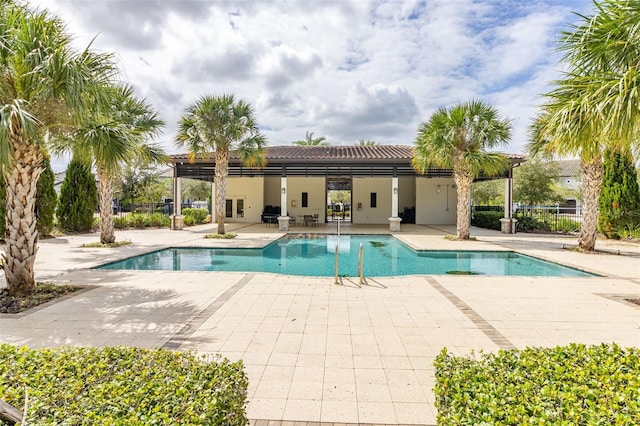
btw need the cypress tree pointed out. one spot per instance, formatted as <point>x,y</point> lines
<point>46,199</point>
<point>78,198</point>
<point>619,202</point>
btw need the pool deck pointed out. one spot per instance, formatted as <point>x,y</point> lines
<point>323,354</point>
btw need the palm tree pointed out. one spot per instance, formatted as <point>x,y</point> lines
<point>311,141</point>
<point>367,142</point>
<point>597,104</point>
<point>43,84</point>
<point>457,138</point>
<point>217,125</point>
<point>111,136</point>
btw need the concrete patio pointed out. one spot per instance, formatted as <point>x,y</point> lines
<point>338,354</point>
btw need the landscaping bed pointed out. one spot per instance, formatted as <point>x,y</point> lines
<point>43,293</point>
<point>573,384</point>
<point>121,385</point>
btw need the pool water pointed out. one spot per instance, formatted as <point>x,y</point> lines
<point>383,256</point>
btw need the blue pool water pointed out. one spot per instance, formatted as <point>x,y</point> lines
<point>383,256</point>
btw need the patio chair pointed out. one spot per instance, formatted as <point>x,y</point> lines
<point>314,221</point>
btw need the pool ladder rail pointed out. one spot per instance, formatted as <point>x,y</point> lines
<point>360,266</point>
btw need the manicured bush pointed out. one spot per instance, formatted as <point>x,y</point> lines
<point>194,216</point>
<point>120,385</point>
<point>619,202</point>
<point>574,384</point>
<point>78,198</point>
<point>141,220</point>
<point>46,199</point>
<point>487,219</point>
<point>527,223</point>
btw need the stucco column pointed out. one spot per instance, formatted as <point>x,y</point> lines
<point>283,219</point>
<point>508,223</point>
<point>177,220</point>
<point>394,220</point>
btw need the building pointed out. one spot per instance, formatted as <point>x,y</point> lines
<point>295,182</point>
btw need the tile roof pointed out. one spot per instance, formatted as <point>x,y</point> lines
<point>340,152</point>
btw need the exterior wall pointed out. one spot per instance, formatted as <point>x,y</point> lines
<point>361,210</point>
<point>406,193</point>
<point>249,188</point>
<point>316,187</point>
<point>271,191</point>
<point>432,207</point>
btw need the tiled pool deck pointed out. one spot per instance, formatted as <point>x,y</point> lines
<point>324,354</point>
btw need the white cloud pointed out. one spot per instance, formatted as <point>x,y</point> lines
<point>342,69</point>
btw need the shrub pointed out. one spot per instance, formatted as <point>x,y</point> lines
<point>86,386</point>
<point>487,219</point>
<point>46,199</point>
<point>566,225</point>
<point>528,223</point>
<point>575,384</point>
<point>78,198</point>
<point>194,216</point>
<point>141,220</point>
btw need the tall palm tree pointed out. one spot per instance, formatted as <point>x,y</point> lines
<point>367,142</point>
<point>217,125</point>
<point>597,104</point>
<point>309,140</point>
<point>457,138</point>
<point>112,135</point>
<point>43,84</point>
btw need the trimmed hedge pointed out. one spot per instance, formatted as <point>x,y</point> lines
<point>487,219</point>
<point>573,384</point>
<point>141,220</point>
<point>121,385</point>
<point>193,216</point>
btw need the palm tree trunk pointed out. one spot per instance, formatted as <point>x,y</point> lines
<point>463,179</point>
<point>21,234</point>
<point>105,190</point>
<point>222,170</point>
<point>591,173</point>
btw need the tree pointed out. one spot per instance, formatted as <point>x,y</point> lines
<point>458,138</point>
<point>619,201</point>
<point>113,133</point>
<point>44,84</point>
<point>490,192</point>
<point>597,104</point>
<point>78,197</point>
<point>311,141</point>
<point>367,142</point>
<point>193,189</point>
<point>218,125</point>
<point>535,183</point>
<point>46,199</point>
<point>140,183</point>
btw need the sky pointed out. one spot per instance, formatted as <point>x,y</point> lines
<point>343,69</point>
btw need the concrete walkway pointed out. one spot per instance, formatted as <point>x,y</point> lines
<point>337,354</point>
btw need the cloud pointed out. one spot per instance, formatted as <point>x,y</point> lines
<point>376,110</point>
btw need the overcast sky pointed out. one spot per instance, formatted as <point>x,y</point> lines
<point>346,70</point>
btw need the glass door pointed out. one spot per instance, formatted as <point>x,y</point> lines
<point>234,209</point>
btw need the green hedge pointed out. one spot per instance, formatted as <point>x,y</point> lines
<point>141,220</point>
<point>120,385</point>
<point>572,385</point>
<point>194,216</point>
<point>487,219</point>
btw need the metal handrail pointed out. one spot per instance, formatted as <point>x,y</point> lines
<point>361,265</point>
<point>336,266</point>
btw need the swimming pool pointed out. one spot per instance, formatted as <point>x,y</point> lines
<point>383,256</point>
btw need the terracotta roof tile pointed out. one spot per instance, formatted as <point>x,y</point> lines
<point>340,152</point>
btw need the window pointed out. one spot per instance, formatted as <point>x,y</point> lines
<point>374,200</point>
<point>305,199</point>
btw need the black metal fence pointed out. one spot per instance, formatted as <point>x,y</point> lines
<point>558,218</point>
<point>163,208</point>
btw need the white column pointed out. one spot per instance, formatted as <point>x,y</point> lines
<point>394,197</point>
<point>508,204</point>
<point>177,199</point>
<point>283,196</point>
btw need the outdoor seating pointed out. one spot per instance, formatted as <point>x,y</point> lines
<point>308,220</point>
<point>314,221</point>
